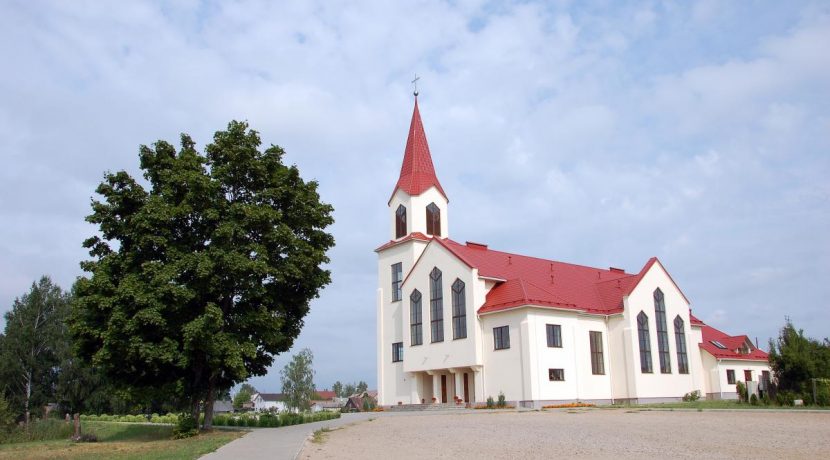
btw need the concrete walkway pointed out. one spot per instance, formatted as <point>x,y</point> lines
<point>282,443</point>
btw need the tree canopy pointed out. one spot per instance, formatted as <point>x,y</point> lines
<point>200,278</point>
<point>298,381</point>
<point>796,359</point>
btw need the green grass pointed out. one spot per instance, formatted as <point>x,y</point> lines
<point>715,404</point>
<point>122,441</point>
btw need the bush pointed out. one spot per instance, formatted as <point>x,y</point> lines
<point>186,427</point>
<point>39,430</point>
<point>6,416</point>
<point>691,396</point>
<point>785,398</point>
<point>753,399</point>
<point>765,399</point>
<point>740,387</point>
<point>502,401</point>
<point>490,403</point>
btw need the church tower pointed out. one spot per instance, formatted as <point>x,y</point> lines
<point>417,213</point>
<point>418,203</point>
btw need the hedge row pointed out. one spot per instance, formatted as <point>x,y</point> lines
<point>248,419</point>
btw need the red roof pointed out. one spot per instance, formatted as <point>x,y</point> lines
<point>541,282</point>
<point>326,395</point>
<point>732,344</point>
<point>412,236</point>
<point>417,171</point>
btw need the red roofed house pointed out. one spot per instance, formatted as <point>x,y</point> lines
<point>461,320</point>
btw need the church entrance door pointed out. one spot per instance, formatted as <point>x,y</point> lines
<point>466,387</point>
<point>444,388</point>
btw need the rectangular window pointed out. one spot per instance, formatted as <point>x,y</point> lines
<point>556,375</point>
<point>730,376</point>
<point>397,279</point>
<point>597,361</point>
<point>554,335</point>
<point>397,352</point>
<point>748,375</point>
<point>501,337</point>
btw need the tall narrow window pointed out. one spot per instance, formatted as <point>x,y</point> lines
<point>397,352</point>
<point>680,344</point>
<point>397,279</point>
<point>433,220</point>
<point>416,318</point>
<point>501,337</point>
<point>436,305</point>
<point>459,310</point>
<point>645,343</point>
<point>662,332</point>
<point>554,333</point>
<point>597,360</point>
<point>730,376</point>
<point>400,222</point>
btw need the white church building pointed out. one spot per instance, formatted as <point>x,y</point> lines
<point>462,322</point>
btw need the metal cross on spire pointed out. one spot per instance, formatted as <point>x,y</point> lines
<point>415,85</point>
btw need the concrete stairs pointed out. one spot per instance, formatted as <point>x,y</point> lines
<point>425,407</point>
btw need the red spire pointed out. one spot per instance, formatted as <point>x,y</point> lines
<point>417,171</point>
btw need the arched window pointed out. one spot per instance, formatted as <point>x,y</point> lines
<point>436,306</point>
<point>415,318</point>
<point>680,343</point>
<point>400,222</point>
<point>645,343</point>
<point>662,332</point>
<point>433,220</point>
<point>459,310</point>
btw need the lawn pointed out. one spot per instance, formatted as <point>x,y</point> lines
<point>123,441</point>
<point>715,404</point>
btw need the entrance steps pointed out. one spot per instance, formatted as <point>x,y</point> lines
<point>425,407</point>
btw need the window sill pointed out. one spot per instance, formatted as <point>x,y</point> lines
<point>459,338</point>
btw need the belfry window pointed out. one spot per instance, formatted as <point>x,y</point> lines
<point>400,222</point>
<point>645,343</point>
<point>680,343</point>
<point>662,332</point>
<point>436,306</point>
<point>433,220</point>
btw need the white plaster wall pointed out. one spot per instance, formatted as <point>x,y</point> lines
<point>711,373</point>
<point>696,361</point>
<point>619,345</point>
<point>592,386</point>
<point>392,382</point>
<point>416,211</point>
<point>657,384</point>
<point>739,366</point>
<point>505,370</point>
<point>451,352</point>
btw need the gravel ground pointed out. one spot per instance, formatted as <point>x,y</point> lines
<point>591,433</point>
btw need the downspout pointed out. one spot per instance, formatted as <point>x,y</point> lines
<point>610,367</point>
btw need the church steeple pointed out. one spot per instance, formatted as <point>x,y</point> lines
<point>417,170</point>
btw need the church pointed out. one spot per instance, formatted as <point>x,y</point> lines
<point>460,322</point>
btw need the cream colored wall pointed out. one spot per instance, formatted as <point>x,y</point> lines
<point>416,211</point>
<point>712,384</point>
<point>696,361</point>
<point>739,366</point>
<point>506,370</point>
<point>657,384</point>
<point>451,352</point>
<point>619,344</point>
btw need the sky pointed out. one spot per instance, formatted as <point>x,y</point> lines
<point>597,133</point>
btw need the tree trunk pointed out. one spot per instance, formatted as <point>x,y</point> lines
<point>209,399</point>
<point>28,396</point>
<point>77,421</point>
<point>194,408</point>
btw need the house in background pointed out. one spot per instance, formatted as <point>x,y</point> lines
<point>730,359</point>
<point>463,321</point>
<point>268,401</point>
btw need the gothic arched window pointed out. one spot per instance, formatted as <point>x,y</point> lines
<point>680,343</point>
<point>662,332</point>
<point>400,221</point>
<point>645,343</point>
<point>433,220</point>
<point>436,306</point>
<point>459,310</point>
<point>415,318</point>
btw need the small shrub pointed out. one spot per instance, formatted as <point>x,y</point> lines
<point>785,398</point>
<point>502,400</point>
<point>765,399</point>
<point>231,421</point>
<point>186,427</point>
<point>691,396</point>
<point>740,387</point>
<point>753,399</point>
<point>490,403</point>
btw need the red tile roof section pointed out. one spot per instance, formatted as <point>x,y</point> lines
<point>417,171</point>
<point>732,343</point>
<point>542,282</point>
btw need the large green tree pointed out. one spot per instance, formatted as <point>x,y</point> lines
<point>30,353</point>
<point>298,381</point>
<point>796,359</point>
<point>246,390</point>
<point>200,278</point>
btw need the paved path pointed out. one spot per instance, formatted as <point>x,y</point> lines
<point>280,443</point>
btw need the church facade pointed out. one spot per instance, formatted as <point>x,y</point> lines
<point>460,322</point>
